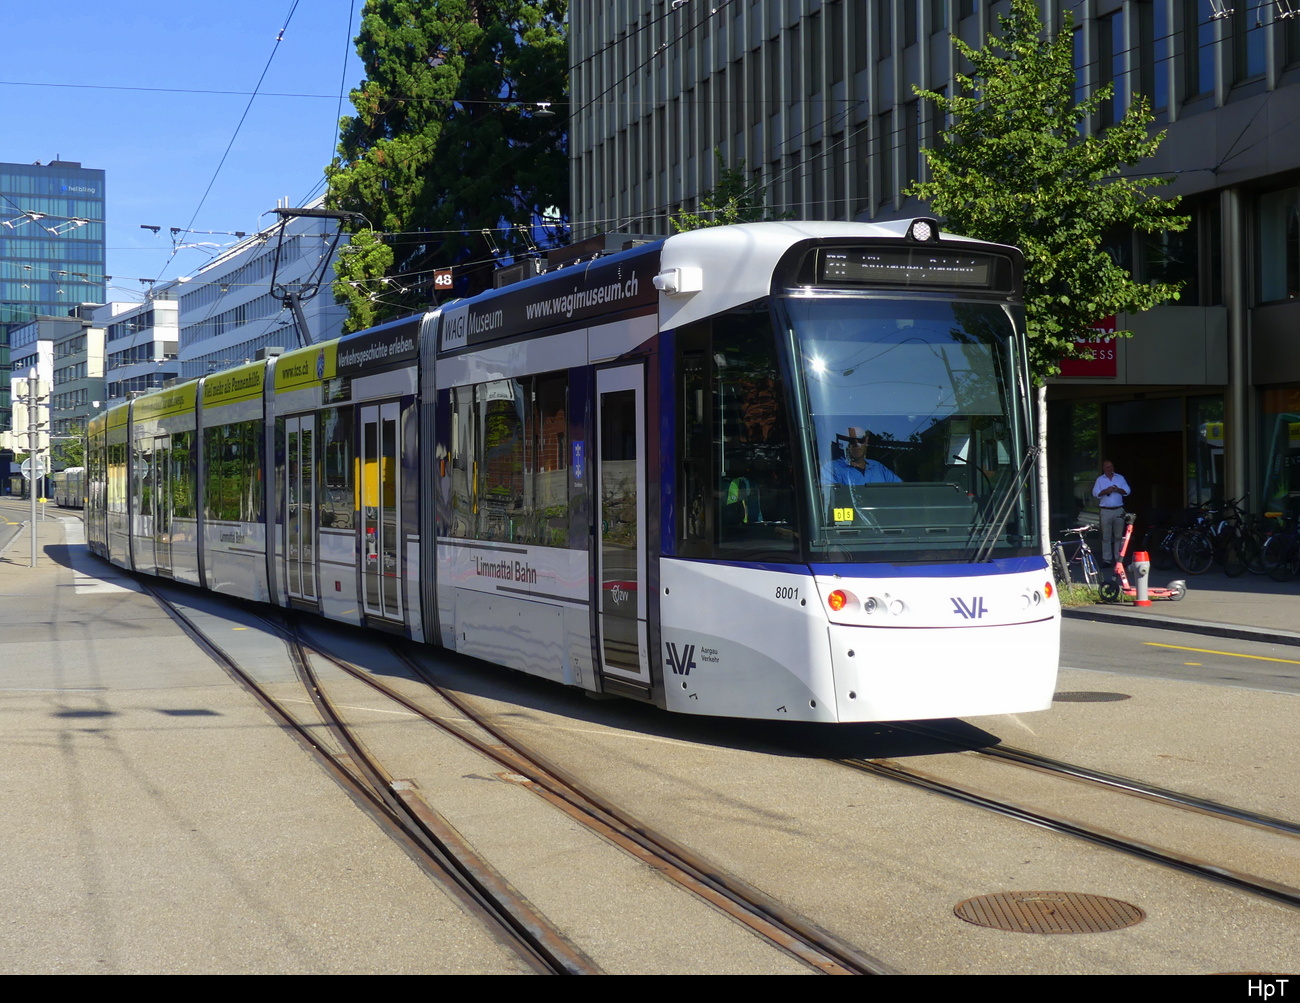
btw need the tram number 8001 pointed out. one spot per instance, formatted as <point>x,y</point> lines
<point>786,592</point>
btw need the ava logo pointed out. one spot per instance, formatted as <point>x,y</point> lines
<point>972,611</point>
<point>320,365</point>
<point>681,661</point>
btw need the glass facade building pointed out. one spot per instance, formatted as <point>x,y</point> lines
<point>51,247</point>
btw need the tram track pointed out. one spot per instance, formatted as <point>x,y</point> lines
<point>426,837</point>
<point>1221,817</point>
<point>745,904</point>
<point>450,859</point>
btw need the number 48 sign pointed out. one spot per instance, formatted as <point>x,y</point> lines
<point>442,280</point>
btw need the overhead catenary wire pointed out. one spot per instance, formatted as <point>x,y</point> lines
<point>252,97</point>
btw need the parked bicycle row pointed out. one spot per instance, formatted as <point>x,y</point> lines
<point>1196,540</point>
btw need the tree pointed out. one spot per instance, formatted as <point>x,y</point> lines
<point>733,200</point>
<point>448,140</point>
<point>1018,165</point>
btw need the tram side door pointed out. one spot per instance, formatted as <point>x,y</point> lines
<point>160,473</point>
<point>300,507</point>
<point>620,525</point>
<point>381,528</point>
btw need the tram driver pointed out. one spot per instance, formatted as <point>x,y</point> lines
<point>853,467</point>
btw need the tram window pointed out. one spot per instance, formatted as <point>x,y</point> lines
<point>509,461</point>
<point>338,503</point>
<point>181,483</point>
<point>117,477</point>
<point>233,455</point>
<point>734,441</point>
<point>548,462</point>
<point>499,408</point>
<point>142,487</point>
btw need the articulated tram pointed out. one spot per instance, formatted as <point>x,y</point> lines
<point>775,470</point>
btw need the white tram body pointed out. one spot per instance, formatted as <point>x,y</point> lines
<point>775,470</point>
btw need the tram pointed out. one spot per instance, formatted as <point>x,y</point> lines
<point>773,470</point>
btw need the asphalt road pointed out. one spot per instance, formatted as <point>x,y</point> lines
<point>1171,654</point>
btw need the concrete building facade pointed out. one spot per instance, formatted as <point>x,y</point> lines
<point>68,353</point>
<point>228,311</point>
<point>817,100</point>
<point>140,345</point>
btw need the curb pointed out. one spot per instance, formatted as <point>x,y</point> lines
<point>1232,630</point>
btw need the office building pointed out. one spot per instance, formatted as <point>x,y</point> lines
<point>817,100</point>
<point>51,246</point>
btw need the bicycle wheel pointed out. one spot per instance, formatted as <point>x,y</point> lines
<point>1089,567</point>
<point>1061,567</point>
<point>1252,548</point>
<point>1194,553</point>
<point>1273,552</point>
<point>1285,568</point>
<point>1234,562</point>
<point>1156,544</point>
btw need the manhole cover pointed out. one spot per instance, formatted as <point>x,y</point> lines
<point>1089,696</point>
<point>1049,912</point>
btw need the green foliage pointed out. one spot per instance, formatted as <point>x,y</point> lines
<point>1079,595</point>
<point>361,267</point>
<point>71,452</point>
<point>1017,167</point>
<point>446,142</point>
<point>733,200</point>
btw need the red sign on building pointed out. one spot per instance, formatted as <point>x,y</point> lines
<point>1095,358</point>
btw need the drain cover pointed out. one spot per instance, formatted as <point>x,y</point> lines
<point>1049,912</point>
<point>1089,696</point>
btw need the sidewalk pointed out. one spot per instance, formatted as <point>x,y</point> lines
<point>157,820</point>
<point>1252,607</point>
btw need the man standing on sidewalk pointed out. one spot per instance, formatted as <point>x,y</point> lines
<point>1110,490</point>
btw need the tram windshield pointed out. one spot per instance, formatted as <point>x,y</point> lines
<point>916,430</point>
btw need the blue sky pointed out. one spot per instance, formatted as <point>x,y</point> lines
<point>145,114</point>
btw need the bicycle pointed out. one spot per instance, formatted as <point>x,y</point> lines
<point>1082,559</point>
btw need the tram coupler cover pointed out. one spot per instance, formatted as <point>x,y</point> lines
<point>1141,568</point>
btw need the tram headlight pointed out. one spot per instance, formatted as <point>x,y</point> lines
<point>871,605</point>
<point>923,230</point>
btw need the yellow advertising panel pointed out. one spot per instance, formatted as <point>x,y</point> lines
<point>174,400</point>
<point>234,385</point>
<point>306,367</point>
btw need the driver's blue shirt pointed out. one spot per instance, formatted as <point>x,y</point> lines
<point>842,472</point>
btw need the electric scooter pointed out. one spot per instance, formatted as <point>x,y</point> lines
<point>1112,589</point>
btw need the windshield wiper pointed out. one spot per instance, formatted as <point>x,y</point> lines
<point>1000,505</point>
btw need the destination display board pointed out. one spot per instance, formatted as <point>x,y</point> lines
<point>912,268</point>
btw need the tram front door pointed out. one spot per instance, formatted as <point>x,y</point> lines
<point>620,514</point>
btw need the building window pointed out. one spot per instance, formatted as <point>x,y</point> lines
<point>885,157</point>
<point>1153,54</point>
<point>1248,39</point>
<point>1198,45</point>
<point>1279,245</point>
<point>938,16</point>
<point>1110,66</point>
